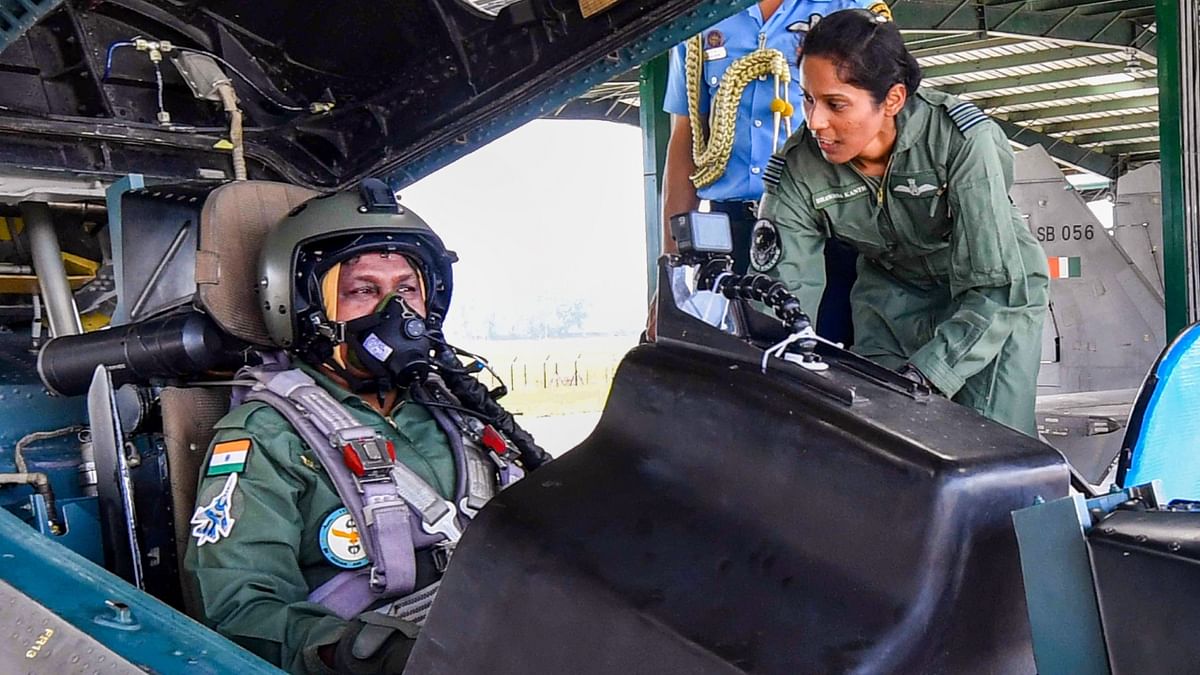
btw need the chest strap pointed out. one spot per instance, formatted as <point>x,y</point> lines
<point>382,495</point>
<point>397,512</point>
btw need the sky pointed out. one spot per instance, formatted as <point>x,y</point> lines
<point>548,216</point>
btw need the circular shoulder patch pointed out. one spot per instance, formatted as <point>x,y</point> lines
<point>765,250</point>
<point>340,541</point>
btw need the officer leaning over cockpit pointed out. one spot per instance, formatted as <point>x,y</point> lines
<point>733,96</point>
<point>332,498</point>
<point>952,287</point>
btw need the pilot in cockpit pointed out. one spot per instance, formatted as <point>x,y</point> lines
<point>332,498</point>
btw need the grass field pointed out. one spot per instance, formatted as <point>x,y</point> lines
<point>559,376</point>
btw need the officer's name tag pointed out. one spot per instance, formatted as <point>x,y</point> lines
<point>838,194</point>
<point>715,53</point>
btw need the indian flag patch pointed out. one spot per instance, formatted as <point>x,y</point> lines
<point>229,457</point>
<point>1065,268</point>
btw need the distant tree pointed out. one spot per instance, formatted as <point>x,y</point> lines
<point>571,316</point>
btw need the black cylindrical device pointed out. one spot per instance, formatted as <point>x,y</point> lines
<point>170,347</point>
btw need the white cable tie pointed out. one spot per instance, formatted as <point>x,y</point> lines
<point>779,349</point>
<point>725,309</point>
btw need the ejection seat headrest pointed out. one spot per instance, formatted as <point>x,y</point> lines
<point>233,225</point>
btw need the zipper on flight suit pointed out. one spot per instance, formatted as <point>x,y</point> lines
<point>881,199</point>
<point>889,243</point>
<point>883,205</point>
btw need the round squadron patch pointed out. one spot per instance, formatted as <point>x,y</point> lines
<point>714,39</point>
<point>340,541</point>
<point>765,250</point>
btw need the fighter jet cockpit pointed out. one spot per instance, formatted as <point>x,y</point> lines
<point>754,497</point>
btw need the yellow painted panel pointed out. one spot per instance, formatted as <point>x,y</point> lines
<point>94,321</point>
<point>26,284</point>
<point>77,264</point>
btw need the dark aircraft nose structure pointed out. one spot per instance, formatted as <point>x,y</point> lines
<point>724,519</point>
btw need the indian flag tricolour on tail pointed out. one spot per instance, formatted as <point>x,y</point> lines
<point>1063,267</point>
<point>229,457</point>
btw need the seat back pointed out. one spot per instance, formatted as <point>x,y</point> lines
<point>1163,435</point>
<point>233,223</point>
<point>188,417</point>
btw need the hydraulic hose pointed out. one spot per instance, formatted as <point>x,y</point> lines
<point>41,484</point>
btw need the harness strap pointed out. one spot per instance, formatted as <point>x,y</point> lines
<point>476,482</point>
<point>397,511</point>
<point>347,594</point>
<point>385,527</point>
<point>415,607</point>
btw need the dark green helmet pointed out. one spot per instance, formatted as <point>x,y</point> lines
<point>330,229</point>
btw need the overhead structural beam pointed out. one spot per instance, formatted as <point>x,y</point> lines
<point>1113,105</point>
<point>1116,6</point>
<point>1110,136</point>
<point>1131,148</point>
<point>921,40</point>
<point>1023,19</point>
<point>957,46</point>
<point>1042,57</point>
<point>1098,123</point>
<point>1063,94</point>
<point>608,110</point>
<point>1096,6</point>
<point>1147,13</point>
<point>1080,158</point>
<point>1011,81</point>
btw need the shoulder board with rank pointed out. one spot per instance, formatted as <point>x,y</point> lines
<point>774,170</point>
<point>967,115</point>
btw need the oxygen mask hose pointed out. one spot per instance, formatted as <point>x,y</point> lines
<point>472,394</point>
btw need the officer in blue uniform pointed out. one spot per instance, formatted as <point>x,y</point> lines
<point>773,24</point>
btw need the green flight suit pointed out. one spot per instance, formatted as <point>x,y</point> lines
<point>253,582</point>
<point>950,279</point>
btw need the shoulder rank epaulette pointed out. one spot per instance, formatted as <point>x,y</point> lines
<point>967,115</point>
<point>774,170</point>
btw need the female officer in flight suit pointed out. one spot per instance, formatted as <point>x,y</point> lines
<point>952,287</point>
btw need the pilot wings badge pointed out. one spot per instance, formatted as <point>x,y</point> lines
<point>215,520</point>
<point>914,190</point>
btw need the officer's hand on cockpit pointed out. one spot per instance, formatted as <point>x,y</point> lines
<point>913,373</point>
<point>374,643</point>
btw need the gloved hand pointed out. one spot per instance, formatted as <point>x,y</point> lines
<point>374,643</point>
<point>913,373</point>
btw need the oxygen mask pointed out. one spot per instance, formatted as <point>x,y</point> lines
<point>392,343</point>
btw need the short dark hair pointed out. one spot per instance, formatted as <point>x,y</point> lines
<point>867,49</point>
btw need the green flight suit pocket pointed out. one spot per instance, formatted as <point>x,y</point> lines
<point>978,238</point>
<point>921,207</point>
